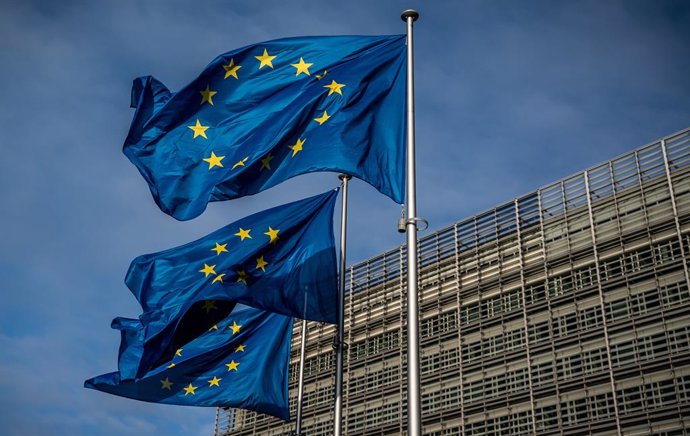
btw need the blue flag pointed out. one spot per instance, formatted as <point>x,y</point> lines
<point>280,260</point>
<point>262,114</point>
<point>242,363</point>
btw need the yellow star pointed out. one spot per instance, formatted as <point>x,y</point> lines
<point>231,69</point>
<point>178,352</point>
<point>234,327</point>
<point>198,129</point>
<point>232,365</point>
<point>170,366</point>
<point>266,162</point>
<point>214,161</point>
<point>265,59</point>
<point>302,67</point>
<point>243,276</point>
<point>166,384</point>
<point>321,76</point>
<point>323,118</point>
<point>214,381</point>
<point>218,278</point>
<point>190,390</point>
<point>239,348</point>
<point>210,305</point>
<point>335,87</point>
<point>215,327</point>
<point>207,95</point>
<point>261,264</point>
<point>208,269</point>
<point>243,234</point>
<point>240,163</point>
<point>297,147</point>
<point>272,234</point>
<point>220,248</point>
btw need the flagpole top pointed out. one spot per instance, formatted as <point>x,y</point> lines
<point>344,177</point>
<point>409,13</point>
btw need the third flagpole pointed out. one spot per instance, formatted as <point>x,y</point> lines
<point>339,341</point>
<point>300,383</point>
<point>414,421</point>
<point>300,386</point>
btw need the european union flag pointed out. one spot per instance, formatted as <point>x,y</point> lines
<point>280,260</point>
<point>262,114</point>
<point>243,363</point>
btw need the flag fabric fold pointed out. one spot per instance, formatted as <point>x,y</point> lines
<point>131,346</point>
<point>241,362</point>
<point>262,114</point>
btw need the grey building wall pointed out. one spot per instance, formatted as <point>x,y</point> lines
<point>564,311</point>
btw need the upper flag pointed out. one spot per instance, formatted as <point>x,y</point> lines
<point>280,260</point>
<point>262,114</point>
<point>242,363</point>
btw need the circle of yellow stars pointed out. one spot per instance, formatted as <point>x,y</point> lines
<point>215,381</point>
<point>231,70</point>
<point>242,275</point>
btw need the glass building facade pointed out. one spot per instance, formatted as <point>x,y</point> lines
<point>563,311</point>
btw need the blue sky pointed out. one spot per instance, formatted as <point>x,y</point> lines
<point>510,96</point>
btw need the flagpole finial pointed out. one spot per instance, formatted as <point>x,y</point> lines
<point>344,177</point>
<point>409,13</point>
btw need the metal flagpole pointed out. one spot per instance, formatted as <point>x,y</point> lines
<point>300,387</point>
<point>339,342</point>
<point>414,424</point>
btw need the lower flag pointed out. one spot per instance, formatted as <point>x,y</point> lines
<point>241,361</point>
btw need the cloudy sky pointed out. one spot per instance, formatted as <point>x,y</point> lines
<point>511,95</point>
